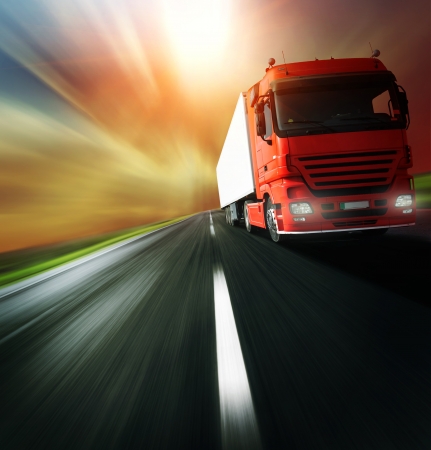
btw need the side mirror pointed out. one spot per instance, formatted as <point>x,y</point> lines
<point>260,119</point>
<point>404,105</point>
<point>402,98</point>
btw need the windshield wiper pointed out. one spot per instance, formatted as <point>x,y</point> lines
<point>314,122</point>
<point>364,118</point>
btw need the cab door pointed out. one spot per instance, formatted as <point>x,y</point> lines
<point>265,152</point>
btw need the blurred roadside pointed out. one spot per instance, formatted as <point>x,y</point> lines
<point>423,190</point>
<point>20,264</point>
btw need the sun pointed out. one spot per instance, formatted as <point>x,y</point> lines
<point>197,29</point>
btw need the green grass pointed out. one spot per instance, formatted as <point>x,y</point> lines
<point>423,190</point>
<point>22,264</point>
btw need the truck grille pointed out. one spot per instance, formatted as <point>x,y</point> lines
<point>347,170</point>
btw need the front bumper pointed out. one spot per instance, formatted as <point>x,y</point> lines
<point>329,215</point>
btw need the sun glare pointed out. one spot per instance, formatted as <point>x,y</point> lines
<point>198,29</point>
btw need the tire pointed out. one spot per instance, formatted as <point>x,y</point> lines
<point>270,223</point>
<point>228,217</point>
<point>232,222</point>
<point>248,226</point>
<point>376,232</point>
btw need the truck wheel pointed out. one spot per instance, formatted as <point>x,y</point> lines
<point>227,215</point>
<point>232,222</point>
<point>250,228</point>
<point>270,223</point>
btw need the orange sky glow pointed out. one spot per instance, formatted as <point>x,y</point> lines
<point>113,114</point>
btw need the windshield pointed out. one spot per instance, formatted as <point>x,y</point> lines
<point>336,104</point>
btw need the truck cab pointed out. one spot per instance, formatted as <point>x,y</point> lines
<point>328,149</point>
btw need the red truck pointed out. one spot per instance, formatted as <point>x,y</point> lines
<point>319,146</point>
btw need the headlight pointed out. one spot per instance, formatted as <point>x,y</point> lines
<point>404,200</point>
<point>300,208</point>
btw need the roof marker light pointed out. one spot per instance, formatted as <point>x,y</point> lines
<point>271,63</point>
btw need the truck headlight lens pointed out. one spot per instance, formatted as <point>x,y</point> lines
<point>404,200</point>
<point>300,208</point>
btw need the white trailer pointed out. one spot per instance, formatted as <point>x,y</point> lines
<point>235,169</point>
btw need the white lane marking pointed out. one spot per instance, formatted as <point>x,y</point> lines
<point>39,278</point>
<point>211,225</point>
<point>238,420</point>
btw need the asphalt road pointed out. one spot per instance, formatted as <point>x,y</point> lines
<point>201,336</point>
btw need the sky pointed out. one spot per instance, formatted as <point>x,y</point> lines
<point>113,113</point>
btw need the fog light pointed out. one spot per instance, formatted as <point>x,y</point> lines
<point>407,211</point>
<point>301,208</point>
<point>404,200</point>
<point>299,219</point>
